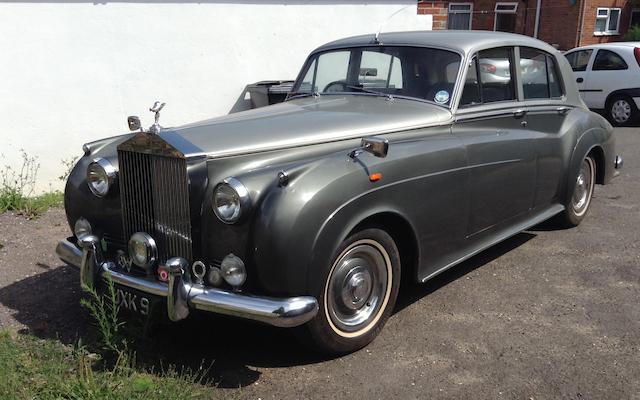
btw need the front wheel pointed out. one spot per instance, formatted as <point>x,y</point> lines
<point>577,206</point>
<point>359,293</point>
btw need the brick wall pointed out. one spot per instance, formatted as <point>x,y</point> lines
<point>559,23</point>
<point>559,20</point>
<point>590,12</point>
<point>439,10</point>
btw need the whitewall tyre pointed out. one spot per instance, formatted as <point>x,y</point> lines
<point>359,292</point>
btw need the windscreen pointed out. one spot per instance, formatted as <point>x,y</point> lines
<point>413,72</point>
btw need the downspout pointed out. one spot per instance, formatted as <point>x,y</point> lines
<point>537,24</point>
<point>580,30</point>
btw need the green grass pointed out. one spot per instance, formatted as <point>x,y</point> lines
<point>29,207</point>
<point>32,368</point>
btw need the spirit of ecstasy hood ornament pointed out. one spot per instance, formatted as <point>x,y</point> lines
<point>134,121</point>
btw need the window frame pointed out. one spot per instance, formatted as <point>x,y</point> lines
<point>514,10</point>
<point>470,11</point>
<point>607,18</point>
<point>506,3</point>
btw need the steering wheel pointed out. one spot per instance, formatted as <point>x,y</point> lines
<point>336,86</point>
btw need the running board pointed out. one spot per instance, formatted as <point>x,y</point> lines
<point>543,216</point>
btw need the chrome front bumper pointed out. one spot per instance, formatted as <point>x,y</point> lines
<point>182,296</point>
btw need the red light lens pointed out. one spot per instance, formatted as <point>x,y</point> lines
<point>488,68</point>
<point>163,273</point>
<point>636,52</point>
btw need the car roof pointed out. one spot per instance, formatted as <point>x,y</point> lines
<point>460,41</point>
<point>607,45</point>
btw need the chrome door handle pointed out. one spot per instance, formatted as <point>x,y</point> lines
<point>563,110</point>
<point>519,113</point>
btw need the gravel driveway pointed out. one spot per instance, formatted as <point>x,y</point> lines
<point>546,314</point>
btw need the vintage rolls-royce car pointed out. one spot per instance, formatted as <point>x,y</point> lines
<point>394,155</point>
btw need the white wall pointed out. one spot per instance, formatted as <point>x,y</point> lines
<point>71,71</point>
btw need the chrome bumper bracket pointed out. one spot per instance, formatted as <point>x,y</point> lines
<point>182,296</point>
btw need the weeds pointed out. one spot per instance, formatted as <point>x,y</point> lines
<point>17,187</point>
<point>68,163</point>
<point>104,310</point>
<point>32,368</point>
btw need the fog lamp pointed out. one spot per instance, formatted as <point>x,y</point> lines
<point>81,227</point>
<point>143,250</point>
<point>233,270</point>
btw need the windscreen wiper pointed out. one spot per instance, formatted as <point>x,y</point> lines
<point>362,89</point>
<point>298,95</point>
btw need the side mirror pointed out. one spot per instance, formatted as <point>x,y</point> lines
<point>134,123</point>
<point>379,147</point>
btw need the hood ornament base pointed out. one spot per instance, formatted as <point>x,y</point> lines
<point>134,122</point>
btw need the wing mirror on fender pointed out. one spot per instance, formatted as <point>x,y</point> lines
<point>379,147</point>
<point>134,123</point>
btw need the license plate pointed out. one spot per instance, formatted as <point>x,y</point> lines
<point>133,302</point>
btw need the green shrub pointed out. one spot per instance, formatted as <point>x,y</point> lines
<point>633,34</point>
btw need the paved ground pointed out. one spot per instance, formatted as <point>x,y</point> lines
<point>547,314</point>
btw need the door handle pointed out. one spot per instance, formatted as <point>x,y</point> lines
<point>519,113</point>
<point>562,110</point>
<point>580,80</point>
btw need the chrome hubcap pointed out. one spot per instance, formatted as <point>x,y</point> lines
<point>621,111</point>
<point>357,288</point>
<point>584,187</point>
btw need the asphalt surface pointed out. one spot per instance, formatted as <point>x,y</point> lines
<point>546,314</point>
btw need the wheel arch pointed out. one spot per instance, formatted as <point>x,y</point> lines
<point>629,93</point>
<point>402,234</point>
<point>598,156</point>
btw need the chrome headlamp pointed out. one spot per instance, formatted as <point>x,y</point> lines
<point>230,200</point>
<point>143,250</point>
<point>101,175</point>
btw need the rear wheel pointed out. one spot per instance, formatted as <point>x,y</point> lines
<point>622,110</point>
<point>578,205</point>
<point>359,293</point>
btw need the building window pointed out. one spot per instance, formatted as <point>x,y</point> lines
<point>460,16</point>
<point>607,21</point>
<point>505,19</point>
<point>635,17</point>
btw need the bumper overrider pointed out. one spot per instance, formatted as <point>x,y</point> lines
<point>182,296</point>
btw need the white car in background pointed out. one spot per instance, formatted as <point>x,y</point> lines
<point>608,77</point>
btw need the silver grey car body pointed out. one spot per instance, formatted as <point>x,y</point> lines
<point>456,180</point>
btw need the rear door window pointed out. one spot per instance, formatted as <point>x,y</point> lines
<point>539,74</point>
<point>607,60</point>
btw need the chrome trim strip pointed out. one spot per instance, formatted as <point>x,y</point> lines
<point>285,312</point>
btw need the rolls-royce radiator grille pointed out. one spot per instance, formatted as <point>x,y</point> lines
<point>155,199</point>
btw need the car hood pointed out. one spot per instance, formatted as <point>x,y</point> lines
<point>302,122</point>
